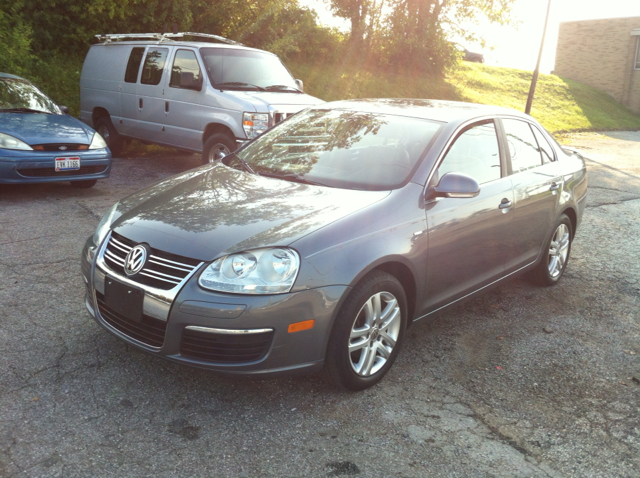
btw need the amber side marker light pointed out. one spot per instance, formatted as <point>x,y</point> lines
<point>299,326</point>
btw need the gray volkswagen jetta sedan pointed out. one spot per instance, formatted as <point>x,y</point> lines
<point>320,242</point>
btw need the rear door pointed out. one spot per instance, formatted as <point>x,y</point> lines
<point>467,236</point>
<point>537,185</point>
<point>150,95</point>
<point>127,125</point>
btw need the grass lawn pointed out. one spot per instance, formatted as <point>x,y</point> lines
<point>560,105</point>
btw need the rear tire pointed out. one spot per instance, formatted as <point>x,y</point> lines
<point>368,332</point>
<point>86,184</point>
<point>105,128</point>
<point>555,254</point>
<point>216,147</point>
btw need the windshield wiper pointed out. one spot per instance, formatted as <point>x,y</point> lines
<point>283,87</point>
<point>231,158</point>
<point>24,110</point>
<point>293,177</point>
<point>222,86</point>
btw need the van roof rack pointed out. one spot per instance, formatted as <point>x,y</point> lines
<point>160,37</point>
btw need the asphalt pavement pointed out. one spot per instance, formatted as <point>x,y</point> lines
<point>521,382</point>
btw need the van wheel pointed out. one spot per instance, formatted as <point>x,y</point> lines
<point>368,332</point>
<point>109,134</point>
<point>89,183</point>
<point>216,147</point>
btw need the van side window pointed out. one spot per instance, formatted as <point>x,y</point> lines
<point>523,147</point>
<point>153,66</point>
<point>185,72</point>
<point>133,66</point>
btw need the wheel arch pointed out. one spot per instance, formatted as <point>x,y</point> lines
<point>99,112</point>
<point>213,128</point>
<point>573,217</point>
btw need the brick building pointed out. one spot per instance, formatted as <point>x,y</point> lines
<point>604,54</point>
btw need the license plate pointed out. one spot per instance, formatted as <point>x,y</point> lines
<point>123,299</point>
<point>67,164</point>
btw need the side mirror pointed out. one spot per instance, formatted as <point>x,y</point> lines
<point>455,185</point>
<point>300,85</point>
<point>65,109</point>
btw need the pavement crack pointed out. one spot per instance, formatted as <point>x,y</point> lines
<point>88,210</point>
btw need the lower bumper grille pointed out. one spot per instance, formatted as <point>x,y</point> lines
<point>223,348</point>
<point>149,330</point>
<point>48,172</point>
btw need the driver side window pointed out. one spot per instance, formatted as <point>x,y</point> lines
<point>475,153</point>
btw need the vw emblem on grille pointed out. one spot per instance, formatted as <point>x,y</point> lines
<point>135,259</point>
<point>62,148</point>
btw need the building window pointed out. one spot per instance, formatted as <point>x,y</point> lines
<point>638,53</point>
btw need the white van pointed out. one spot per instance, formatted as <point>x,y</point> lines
<point>195,96</point>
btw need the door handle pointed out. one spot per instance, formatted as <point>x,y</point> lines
<point>140,103</point>
<point>166,106</point>
<point>505,203</point>
<point>554,186</point>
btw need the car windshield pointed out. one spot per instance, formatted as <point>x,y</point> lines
<point>246,69</point>
<point>341,148</point>
<point>19,95</point>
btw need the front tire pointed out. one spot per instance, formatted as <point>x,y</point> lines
<point>368,333</point>
<point>555,254</point>
<point>105,128</point>
<point>216,147</point>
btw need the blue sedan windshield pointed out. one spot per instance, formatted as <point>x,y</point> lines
<point>19,95</point>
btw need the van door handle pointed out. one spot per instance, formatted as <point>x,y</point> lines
<point>166,106</point>
<point>505,203</point>
<point>140,103</point>
<point>554,186</point>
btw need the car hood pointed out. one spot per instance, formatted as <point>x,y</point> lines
<point>37,128</point>
<point>212,210</point>
<point>276,100</point>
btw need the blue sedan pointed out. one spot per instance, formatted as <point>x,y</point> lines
<point>40,143</point>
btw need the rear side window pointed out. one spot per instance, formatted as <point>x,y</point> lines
<point>133,66</point>
<point>523,147</point>
<point>545,148</point>
<point>185,72</point>
<point>475,153</point>
<point>153,66</point>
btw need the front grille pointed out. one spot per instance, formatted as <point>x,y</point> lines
<point>47,172</point>
<point>149,331</point>
<point>280,117</point>
<point>162,269</point>
<point>57,146</point>
<point>224,348</point>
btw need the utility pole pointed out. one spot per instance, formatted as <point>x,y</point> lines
<point>534,80</point>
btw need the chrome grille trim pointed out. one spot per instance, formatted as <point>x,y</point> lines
<point>157,301</point>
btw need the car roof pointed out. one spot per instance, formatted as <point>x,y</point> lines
<point>436,110</point>
<point>8,75</point>
<point>191,44</point>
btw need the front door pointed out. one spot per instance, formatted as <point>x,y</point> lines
<point>467,236</point>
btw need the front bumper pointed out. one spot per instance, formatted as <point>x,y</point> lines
<point>223,325</point>
<point>39,167</point>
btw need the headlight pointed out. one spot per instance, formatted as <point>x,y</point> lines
<point>104,225</point>
<point>255,124</point>
<point>261,271</point>
<point>97,142</point>
<point>9,142</point>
